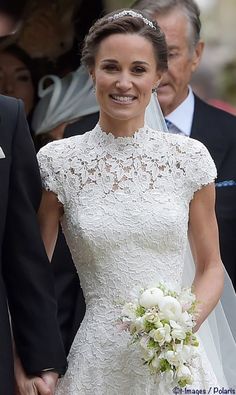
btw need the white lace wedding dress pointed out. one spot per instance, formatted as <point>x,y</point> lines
<point>126,205</point>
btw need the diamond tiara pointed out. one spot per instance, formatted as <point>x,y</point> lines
<point>134,15</point>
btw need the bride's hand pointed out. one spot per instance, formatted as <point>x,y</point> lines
<point>26,385</point>
<point>50,379</point>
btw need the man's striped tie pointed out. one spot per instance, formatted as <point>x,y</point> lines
<point>172,128</point>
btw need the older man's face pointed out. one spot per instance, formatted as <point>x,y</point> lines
<point>182,61</point>
<point>7,25</point>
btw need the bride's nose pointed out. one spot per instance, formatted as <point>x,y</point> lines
<point>124,82</point>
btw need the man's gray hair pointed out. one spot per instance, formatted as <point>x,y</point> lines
<point>153,8</point>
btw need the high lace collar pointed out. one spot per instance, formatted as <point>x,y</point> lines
<point>103,137</point>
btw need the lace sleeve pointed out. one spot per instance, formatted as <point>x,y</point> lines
<point>202,167</point>
<point>51,167</point>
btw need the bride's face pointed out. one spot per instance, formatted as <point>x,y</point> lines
<point>124,74</point>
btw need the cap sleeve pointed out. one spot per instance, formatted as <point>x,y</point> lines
<point>50,165</point>
<point>202,167</point>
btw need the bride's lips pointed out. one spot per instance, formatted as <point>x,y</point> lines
<point>122,99</point>
<point>163,87</point>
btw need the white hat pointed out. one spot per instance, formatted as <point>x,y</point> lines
<point>65,100</point>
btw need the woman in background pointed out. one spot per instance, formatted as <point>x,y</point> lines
<point>17,77</point>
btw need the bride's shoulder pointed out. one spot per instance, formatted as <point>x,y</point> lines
<point>65,147</point>
<point>180,143</point>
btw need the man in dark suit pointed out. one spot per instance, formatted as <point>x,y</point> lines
<point>26,281</point>
<point>187,114</point>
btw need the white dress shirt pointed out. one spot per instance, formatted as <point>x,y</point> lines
<point>182,116</point>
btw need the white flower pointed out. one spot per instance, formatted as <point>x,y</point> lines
<point>187,320</point>
<point>153,318</point>
<point>186,299</point>
<point>139,324</point>
<point>173,357</point>
<point>178,331</point>
<point>151,297</point>
<point>161,335</point>
<point>161,321</point>
<point>183,374</point>
<point>170,308</point>
<point>155,363</point>
<point>148,354</point>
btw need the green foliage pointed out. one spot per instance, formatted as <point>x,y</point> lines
<point>140,311</point>
<point>164,365</point>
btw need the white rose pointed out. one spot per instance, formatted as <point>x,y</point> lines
<point>183,373</point>
<point>170,308</point>
<point>161,335</point>
<point>150,298</point>
<point>152,317</point>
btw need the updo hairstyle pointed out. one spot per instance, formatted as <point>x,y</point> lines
<point>124,24</point>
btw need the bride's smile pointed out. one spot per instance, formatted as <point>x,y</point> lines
<point>124,74</point>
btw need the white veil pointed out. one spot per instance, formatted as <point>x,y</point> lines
<point>218,333</point>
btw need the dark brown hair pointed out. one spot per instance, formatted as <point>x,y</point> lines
<point>125,24</point>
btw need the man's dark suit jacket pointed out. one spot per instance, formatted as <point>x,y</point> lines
<point>216,129</point>
<point>26,280</point>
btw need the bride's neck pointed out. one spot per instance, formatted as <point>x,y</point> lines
<point>120,128</point>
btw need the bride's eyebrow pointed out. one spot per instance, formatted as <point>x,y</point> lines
<point>109,60</point>
<point>136,62</point>
<point>141,62</point>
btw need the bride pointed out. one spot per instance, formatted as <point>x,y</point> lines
<point>128,198</point>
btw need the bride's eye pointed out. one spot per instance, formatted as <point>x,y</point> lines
<point>139,70</point>
<point>110,67</point>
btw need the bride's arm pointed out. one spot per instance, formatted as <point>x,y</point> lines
<point>204,242</point>
<point>49,214</point>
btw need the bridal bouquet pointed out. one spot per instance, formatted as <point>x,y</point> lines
<point>161,322</point>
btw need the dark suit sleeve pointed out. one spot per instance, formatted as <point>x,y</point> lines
<point>216,129</point>
<point>27,272</point>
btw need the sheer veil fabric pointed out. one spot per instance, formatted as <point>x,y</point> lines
<point>65,100</point>
<point>218,332</point>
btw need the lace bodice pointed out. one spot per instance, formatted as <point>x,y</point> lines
<point>118,193</point>
<point>126,206</point>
